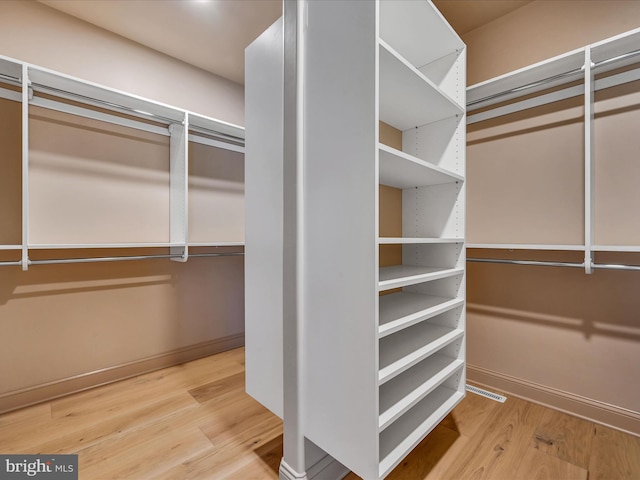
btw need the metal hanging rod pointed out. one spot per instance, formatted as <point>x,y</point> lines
<point>17,263</point>
<point>119,259</point>
<point>215,134</point>
<point>555,264</point>
<point>111,105</point>
<point>527,262</point>
<point>624,56</point>
<point>225,254</point>
<point>526,87</point>
<point>615,266</point>
<point>99,259</point>
<point>553,78</point>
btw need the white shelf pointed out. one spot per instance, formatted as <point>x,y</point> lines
<point>10,70</point>
<point>408,99</point>
<point>403,275</point>
<point>522,246</point>
<point>401,170</point>
<point>418,240</point>
<point>526,76</point>
<point>10,247</point>
<point>404,349</point>
<point>409,430</point>
<point>213,125</point>
<point>407,389</point>
<point>615,46</point>
<point>43,80</point>
<point>410,27</point>
<point>404,309</point>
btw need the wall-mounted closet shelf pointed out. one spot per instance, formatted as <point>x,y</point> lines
<point>581,65</point>
<point>41,88</point>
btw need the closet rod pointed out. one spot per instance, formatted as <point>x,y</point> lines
<point>225,254</point>
<point>526,262</point>
<point>611,266</point>
<point>544,81</point>
<point>92,101</point>
<point>624,56</point>
<point>124,258</point>
<point>615,266</point>
<point>17,263</point>
<point>216,134</point>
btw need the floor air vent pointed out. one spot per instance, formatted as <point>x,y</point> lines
<point>485,393</point>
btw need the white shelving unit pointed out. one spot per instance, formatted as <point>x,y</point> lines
<point>147,206</point>
<point>11,131</point>
<point>578,73</point>
<point>380,371</point>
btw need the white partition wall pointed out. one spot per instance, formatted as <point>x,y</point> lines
<point>382,348</point>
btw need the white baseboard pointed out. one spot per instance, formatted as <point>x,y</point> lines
<point>612,416</point>
<point>59,388</point>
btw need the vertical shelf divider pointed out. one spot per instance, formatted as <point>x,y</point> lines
<point>25,167</point>
<point>589,163</point>
<point>178,179</point>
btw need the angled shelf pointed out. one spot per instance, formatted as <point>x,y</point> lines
<point>402,350</point>
<point>403,309</point>
<point>404,391</point>
<point>409,430</point>
<point>403,275</point>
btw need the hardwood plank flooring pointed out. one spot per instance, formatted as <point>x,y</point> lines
<point>195,422</point>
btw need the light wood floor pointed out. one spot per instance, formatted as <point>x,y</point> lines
<point>194,421</point>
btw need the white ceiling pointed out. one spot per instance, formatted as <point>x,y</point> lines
<point>212,34</point>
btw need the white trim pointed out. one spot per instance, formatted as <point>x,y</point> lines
<point>595,411</point>
<point>288,473</point>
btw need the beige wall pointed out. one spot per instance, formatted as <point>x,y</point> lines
<point>555,335</point>
<point>35,33</point>
<point>544,29</point>
<point>66,327</point>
